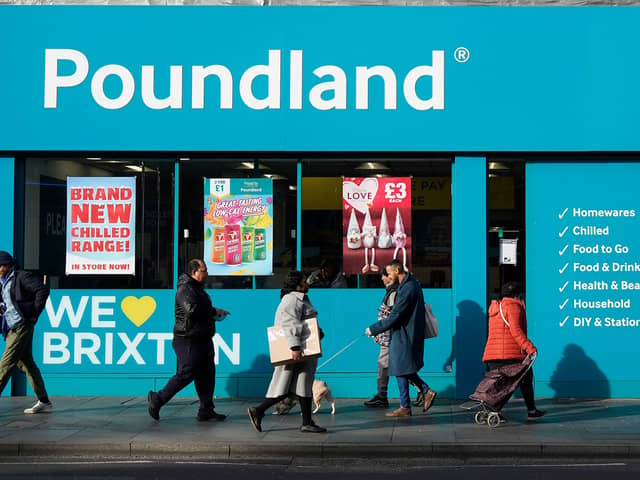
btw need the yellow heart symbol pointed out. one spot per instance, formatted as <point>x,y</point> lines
<point>138,310</point>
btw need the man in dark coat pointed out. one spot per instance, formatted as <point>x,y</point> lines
<point>406,350</point>
<point>23,297</point>
<point>192,341</point>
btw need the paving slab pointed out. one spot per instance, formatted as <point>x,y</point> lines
<point>121,427</point>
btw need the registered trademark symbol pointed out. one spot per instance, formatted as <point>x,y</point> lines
<point>461,55</point>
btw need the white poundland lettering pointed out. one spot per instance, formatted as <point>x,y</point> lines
<point>624,285</point>
<point>328,90</point>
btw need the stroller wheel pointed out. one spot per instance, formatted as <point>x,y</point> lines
<point>493,420</point>
<point>481,417</point>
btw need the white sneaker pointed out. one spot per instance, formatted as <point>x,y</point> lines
<point>39,407</point>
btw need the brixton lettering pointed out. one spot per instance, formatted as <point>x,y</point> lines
<point>87,333</point>
<point>328,94</point>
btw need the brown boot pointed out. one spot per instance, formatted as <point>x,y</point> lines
<point>400,412</point>
<point>429,397</point>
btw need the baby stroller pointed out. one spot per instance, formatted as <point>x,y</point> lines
<point>495,390</point>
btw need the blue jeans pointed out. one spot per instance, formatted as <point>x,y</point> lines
<point>403,386</point>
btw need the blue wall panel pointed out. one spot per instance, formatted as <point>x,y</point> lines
<point>90,336</point>
<point>469,269</point>
<point>583,299</point>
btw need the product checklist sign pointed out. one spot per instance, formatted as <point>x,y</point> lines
<point>583,262</point>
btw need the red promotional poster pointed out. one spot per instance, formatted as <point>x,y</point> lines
<point>376,223</point>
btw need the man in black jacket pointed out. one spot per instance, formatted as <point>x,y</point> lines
<point>192,342</point>
<point>22,300</point>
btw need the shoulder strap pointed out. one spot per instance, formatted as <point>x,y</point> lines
<point>392,298</point>
<point>502,315</point>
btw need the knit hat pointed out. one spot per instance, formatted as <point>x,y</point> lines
<point>5,258</point>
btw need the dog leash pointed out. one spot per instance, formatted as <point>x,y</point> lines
<point>346,347</point>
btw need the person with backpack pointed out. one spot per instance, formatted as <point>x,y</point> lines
<point>406,348</point>
<point>508,343</point>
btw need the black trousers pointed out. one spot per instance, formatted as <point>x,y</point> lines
<point>526,384</point>
<point>195,364</point>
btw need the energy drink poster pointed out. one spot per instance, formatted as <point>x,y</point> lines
<point>376,223</point>
<point>101,225</point>
<point>238,226</point>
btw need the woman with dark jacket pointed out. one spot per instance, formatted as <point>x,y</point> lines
<point>297,378</point>
<point>508,343</point>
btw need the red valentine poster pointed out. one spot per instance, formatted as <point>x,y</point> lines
<point>376,223</point>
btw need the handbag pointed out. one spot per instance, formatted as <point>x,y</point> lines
<point>431,329</point>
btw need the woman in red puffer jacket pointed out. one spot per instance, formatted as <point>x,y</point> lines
<point>508,342</point>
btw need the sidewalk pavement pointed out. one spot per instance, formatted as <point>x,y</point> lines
<point>117,427</point>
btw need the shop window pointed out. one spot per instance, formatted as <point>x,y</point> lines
<point>322,222</point>
<point>282,221</point>
<point>45,210</point>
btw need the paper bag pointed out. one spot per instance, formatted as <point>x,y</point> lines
<point>279,350</point>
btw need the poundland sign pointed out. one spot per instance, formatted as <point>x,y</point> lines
<point>327,90</point>
<point>324,79</point>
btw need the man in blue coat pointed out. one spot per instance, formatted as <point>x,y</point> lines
<point>406,351</point>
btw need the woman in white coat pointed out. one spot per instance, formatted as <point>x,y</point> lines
<point>296,378</point>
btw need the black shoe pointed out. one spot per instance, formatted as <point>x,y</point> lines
<point>377,402</point>
<point>312,428</point>
<point>419,400</point>
<point>256,420</point>
<point>210,415</point>
<point>536,414</point>
<point>153,404</point>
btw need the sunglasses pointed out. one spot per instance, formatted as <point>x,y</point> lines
<point>385,273</point>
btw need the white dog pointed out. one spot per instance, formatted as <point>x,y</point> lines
<point>321,390</point>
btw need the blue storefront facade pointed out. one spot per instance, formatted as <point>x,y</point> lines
<point>306,96</point>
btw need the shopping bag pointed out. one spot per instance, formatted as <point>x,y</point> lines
<point>430,322</point>
<point>279,351</point>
